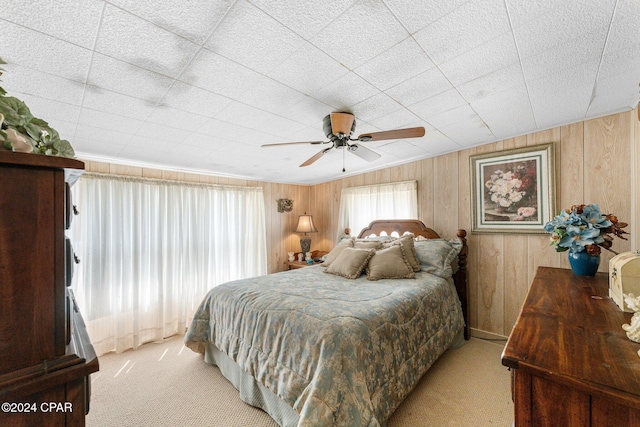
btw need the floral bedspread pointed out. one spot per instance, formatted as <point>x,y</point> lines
<point>340,352</point>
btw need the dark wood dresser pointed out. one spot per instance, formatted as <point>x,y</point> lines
<point>46,356</point>
<point>572,363</point>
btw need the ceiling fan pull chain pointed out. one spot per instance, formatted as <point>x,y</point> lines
<point>343,154</point>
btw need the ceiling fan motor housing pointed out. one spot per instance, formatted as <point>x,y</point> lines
<point>328,130</point>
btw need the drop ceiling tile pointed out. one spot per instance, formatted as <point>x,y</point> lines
<point>568,55</point>
<point>437,104</point>
<point>500,80</point>
<point>573,19</point>
<point>308,70</point>
<point>614,91</point>
<point>566,104</point>
<point>220,75</point>
<point>345,92</point>
<point>624,62</point>
<point>461,114</point>
<point>507,111</point>
<point>94,147</point>
<point>579,76</point>
<point>374,107</point>
<point>435,142</point>
<point>243,115</point>
<point>470,133</point>
<point>416,15</point>
<point>155,49</point>
<point>419,88</point>
<point>176,118</point>
<point>75,21</point>
<point>253,138</point>
<point>395,65</point>
<point>164,133</point>
<point>305,21</point>
<point>194,100</point>
<point>96,98</point>
<point>109,73</point>
<point>50,110</point>
<point>309,111</point>
<point>270,95</point>
<point>104,120</point>
<point>279,126</point>
<point>252,38</point>
<point>624,32</point>
<point>521,12</point>
<point>41,52</point>
<point>219,129</point>
<point>490,57</point>
<point>472,24</point>
<point>193,20</point>
<point>19,79</point>
<point>375,30</point>
<point>401,118</point>
<point>102,136</point>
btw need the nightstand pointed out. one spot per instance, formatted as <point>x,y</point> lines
<point>291,265</point>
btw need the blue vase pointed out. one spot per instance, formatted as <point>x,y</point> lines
<point>584,264</point>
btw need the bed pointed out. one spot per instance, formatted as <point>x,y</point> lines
<point>314,348</point>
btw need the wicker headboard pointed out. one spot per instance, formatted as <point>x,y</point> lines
<point>418,228</point>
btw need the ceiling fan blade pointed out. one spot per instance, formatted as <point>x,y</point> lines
<point>364,153</point>
<point>292,143</point>
<point>341,123</point>
<point>393,134</point>
<point>315,157</point>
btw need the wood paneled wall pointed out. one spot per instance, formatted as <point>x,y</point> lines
<point>280,236</point>
<point>596,162</point>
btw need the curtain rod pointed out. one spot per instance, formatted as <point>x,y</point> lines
<point>160,181</point>
<point>383,184</point>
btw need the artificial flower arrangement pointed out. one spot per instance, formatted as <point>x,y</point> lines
<point>584,228</point>
<point>21,131</point>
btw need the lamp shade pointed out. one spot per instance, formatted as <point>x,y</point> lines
<point>305,224</point>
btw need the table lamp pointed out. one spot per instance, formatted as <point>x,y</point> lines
<point>305,225</point>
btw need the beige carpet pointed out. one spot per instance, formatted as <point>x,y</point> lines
<point>166,384</point>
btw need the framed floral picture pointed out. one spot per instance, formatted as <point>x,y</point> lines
<point>513,190</point>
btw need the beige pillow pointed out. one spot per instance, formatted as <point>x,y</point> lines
<point>335,252</point>
<point>351,262</point>
<point>409,250</point>
<point>363,244</point>
<point>390,263</point>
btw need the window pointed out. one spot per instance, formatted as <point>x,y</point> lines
<point>361,205</point>
<point>151,249</point>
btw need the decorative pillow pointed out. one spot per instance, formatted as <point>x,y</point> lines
<point>390,263</point>
<point>367,244</point>
<point>350,263</point>
<point>436,255</point>
<point>409,250</point>
<point>335,252</point>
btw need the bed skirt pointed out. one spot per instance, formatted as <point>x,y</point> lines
<point>251,392</point>
<point>257,395</point>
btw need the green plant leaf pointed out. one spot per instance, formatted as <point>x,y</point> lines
<point>16,112</point>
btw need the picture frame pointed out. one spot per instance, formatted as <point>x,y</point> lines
<point>513,191</point>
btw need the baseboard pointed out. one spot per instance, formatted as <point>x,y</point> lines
<point>478,333</point>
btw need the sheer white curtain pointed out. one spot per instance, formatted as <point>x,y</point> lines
<point>151,249</point>
<point>361,205</point>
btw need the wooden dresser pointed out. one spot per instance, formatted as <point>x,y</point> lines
<point>572,363</point>
<point>45,353</point>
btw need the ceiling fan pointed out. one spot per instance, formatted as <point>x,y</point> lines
<point>339,127</point>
